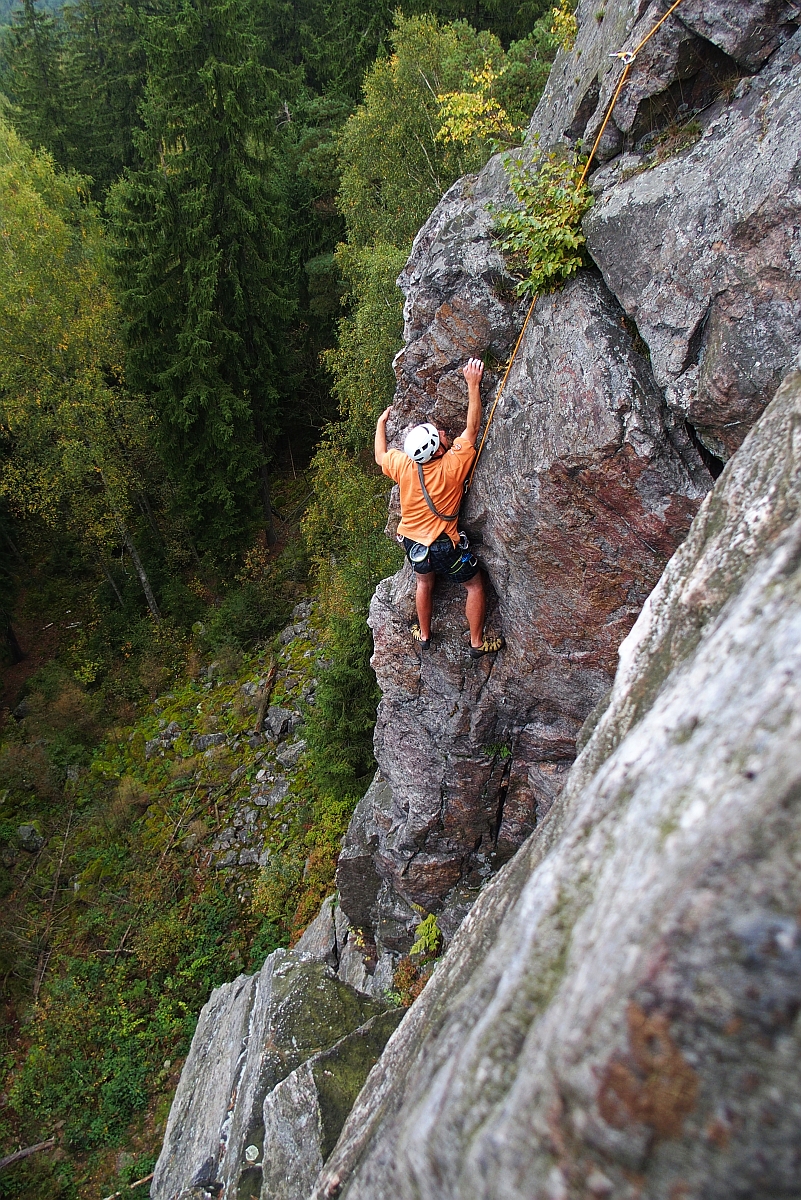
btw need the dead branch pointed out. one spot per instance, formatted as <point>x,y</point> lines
<point>18,1154</point>
<point>138,1183</point>
<point>44,957</point>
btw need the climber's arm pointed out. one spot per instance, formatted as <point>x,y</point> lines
<point>381,437</point>
<point>472,373</point>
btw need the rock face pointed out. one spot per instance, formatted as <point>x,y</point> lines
<point>618,1014</point>
<point>293,1026</point>
<point>584,492</point>
<point>591,473</point>
<point>703,251</point>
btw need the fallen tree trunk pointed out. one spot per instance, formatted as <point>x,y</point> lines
<point>18,1154</point>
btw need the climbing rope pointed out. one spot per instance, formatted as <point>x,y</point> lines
<point>627,57</point>
<point>498,394</point>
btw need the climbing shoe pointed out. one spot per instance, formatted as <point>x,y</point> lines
<point>490,645</point>
<point>422,642</point>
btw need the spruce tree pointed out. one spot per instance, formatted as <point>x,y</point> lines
<point>104,69</point>
<point>33,78</point>
<point>199,253</point>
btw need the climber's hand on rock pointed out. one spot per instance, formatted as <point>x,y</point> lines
<point>473,370</point>
<point>382,420</point>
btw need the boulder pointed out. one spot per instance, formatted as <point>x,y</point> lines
<point>278,721</point>
<point>252,1034</point>
<point>319,940</point>
<point>618,1013</point>
<point>289,754</point>
<point>304,1113</point>
<point>30,839</point>
<point>204,741</point>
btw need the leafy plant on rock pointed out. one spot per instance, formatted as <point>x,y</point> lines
<point>414,969</point>
<point>428,938</point>
<point>542,239</point>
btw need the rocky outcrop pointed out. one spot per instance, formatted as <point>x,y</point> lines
<point>618,1014</point>
<point>700,50</point>
<point>275,1064</point>
<point>585,490</point>
<point>703,252</point>
<point>592,469</point>
<point>618,1011</point>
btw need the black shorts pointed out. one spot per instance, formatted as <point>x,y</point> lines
<point>444,558</point>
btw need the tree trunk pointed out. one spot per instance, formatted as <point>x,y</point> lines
<point>110,581</point>
<point>140,570</point>
<point>13,645</point>
<point>147,512</point>
<point>26,1153</point>
<point>14,549</point>
<point>272,536</point>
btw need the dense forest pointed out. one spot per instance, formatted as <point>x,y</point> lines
<point>204,205</point>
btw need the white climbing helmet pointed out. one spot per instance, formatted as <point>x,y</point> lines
<point>422,442</point>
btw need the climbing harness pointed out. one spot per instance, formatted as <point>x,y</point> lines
<point>627,57</point>
<point>418,552</point>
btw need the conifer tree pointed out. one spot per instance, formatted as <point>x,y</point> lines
<point>34,78</point>
<point>199,252</point>
<point>104,71</point>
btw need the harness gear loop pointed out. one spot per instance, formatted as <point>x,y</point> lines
<point>627,57</point>
<point>428,499</point>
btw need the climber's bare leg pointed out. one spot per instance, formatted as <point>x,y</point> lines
<point>424,602</point>
<point>475,608</point>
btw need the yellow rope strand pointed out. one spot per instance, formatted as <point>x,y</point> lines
<point>628,58</point>
<point>661,21</point>
<point>500,389</point>
<point>612,104</point>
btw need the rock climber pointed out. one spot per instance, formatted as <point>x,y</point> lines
<point>430,474</point>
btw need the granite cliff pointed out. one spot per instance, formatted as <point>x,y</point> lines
<point>617,1010</point>
<point>631,388</point>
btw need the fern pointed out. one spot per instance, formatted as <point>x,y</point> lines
<point>428,938</point>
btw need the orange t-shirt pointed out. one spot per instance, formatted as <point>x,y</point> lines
<point>444,478</point>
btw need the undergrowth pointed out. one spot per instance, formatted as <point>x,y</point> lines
<point>121,923</point>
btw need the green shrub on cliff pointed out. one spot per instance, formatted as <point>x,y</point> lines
<point>542,239</point>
